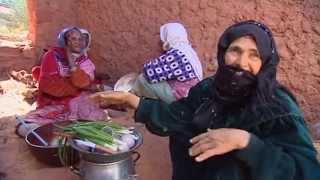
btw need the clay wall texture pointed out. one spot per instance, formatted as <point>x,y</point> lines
<point>126,34</point>
<point>46,18</point>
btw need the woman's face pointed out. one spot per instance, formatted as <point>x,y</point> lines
<point>74,41</point>
<point>243,53</point>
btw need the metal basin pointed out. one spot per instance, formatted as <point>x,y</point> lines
<point>46,154</point>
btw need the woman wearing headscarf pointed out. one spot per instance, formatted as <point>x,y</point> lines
<point>170,76</point>
<point>239,124</point>
<point>65,73</point>
<point>86,41</point>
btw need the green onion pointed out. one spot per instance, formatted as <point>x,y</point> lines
<point>101,133</point>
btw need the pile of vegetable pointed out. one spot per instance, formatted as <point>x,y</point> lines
<point>106,135</point>
<point>102,137</point>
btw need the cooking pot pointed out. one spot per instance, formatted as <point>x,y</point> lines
<point>102,166</point>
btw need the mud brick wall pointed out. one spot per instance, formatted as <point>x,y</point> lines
<point>126,34</point>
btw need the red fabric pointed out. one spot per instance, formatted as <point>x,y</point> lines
<point>57,86</point>
<point>36,72</point>
<point>53,88</point>
<point>80,79</point>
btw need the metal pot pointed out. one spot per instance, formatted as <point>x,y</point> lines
<point>97,166</point>
<point>120,170</point>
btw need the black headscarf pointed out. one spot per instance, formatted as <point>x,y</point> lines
<point>265,81</point>
<point>266,78</point>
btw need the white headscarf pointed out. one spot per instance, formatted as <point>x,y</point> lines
<point>86,49</point>
<point>174,35</point>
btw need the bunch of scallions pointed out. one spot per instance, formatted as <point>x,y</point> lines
<point>107,137</point>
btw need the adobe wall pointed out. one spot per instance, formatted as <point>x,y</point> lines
<point>126,33</point>
<point>46,18</point>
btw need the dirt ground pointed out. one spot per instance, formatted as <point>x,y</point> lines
<point>17,162</point>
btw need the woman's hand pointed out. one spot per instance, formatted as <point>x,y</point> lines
<point>218,142</point>
<point>109,98</point>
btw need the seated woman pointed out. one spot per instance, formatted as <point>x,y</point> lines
<point>86,41</point>
<point>65,73</point>
<point>240,124</point>
<point>170,76</point>
<point>85,46</point>
<point>100,82</point>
